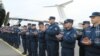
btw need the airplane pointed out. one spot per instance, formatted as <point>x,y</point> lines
<point>5,17</point>
<point>60,10</point>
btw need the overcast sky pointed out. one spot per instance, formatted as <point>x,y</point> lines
<point>79,10</point>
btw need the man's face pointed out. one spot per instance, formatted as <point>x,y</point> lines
<point>33,27</point>
<point>95,19</point>
<point>24,27</point>
<point>51,21</point>
<point>46,26</point>
<point>68,25</point>
<point>86,25</point>
<point>29,26</point>
<point>41,26</point>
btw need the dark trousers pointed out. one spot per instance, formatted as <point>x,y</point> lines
<point>17,41</point>
<point>91,54</point>
<point>67,51</point>
<point>92,51</point>
<point>53,48</point>
<point>34,46</point>
<point>24,43</point>
<point>81,51</point>
<point>29,47</point>
<point>42,49</point>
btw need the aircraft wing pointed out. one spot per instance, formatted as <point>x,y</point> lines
<point>51,5</point>
<point>28,20</point>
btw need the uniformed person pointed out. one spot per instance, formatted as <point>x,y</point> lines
<point>3,33</point>
<point>91,37</point>
<point>41,39</point>
<point>16,36</point>
<point>46,26</point>
<point>8,35</point>
<point>28,38</point>
<point>11,35</point>
<point>29,26</point>
<point>34,40</point>
<point>68,38</point>
<point>24,39</point>
<point>51,40</point>
<point>85,25</point>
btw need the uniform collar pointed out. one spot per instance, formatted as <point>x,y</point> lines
<point>52,24</point>
<point>34,29</point>
<point>87,28</point>
<point>69,29</point>
<point>29,28</point>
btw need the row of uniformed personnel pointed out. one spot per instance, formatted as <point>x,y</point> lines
<point>49,38</point>
<point>30,38</point>
<point>11,35</point>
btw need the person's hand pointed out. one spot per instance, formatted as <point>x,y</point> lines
<point>35,33</point>
<point>86,41</point>
<point>24,30</point>
<point>59,36</point>
<point>12,32</point>
<point>19,32</point>
<point>27,33</point>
